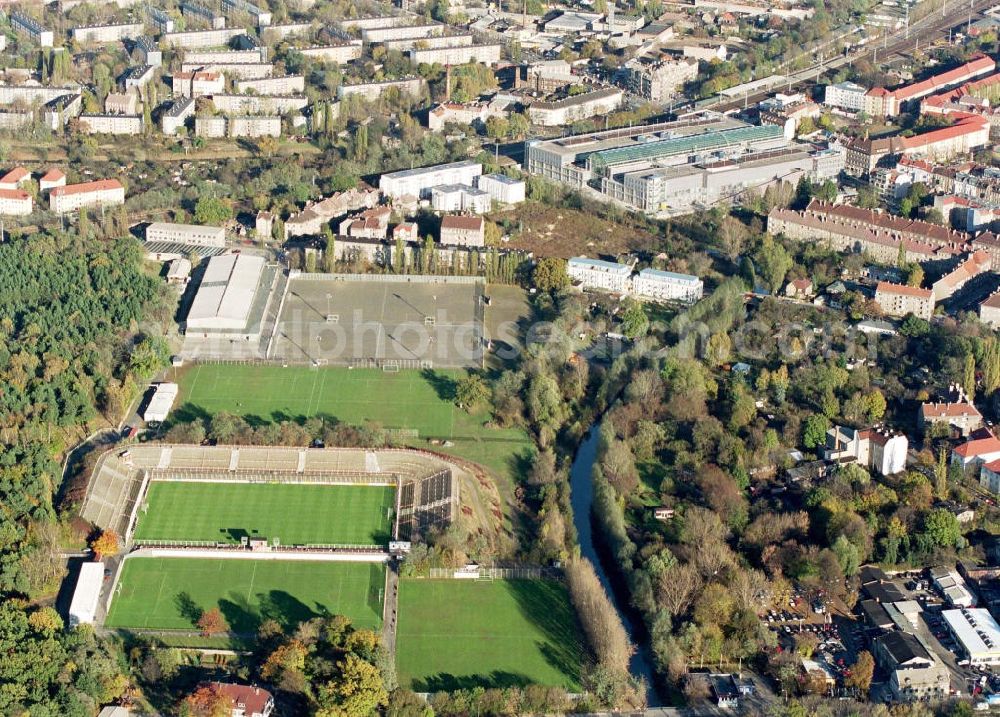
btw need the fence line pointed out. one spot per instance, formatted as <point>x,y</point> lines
<point>249,475</point>
<point>294,547</point>
<point>495,573</point>
<point>387,278</point>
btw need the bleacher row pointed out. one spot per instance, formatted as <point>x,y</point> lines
<point>426,503</point>
<point>112,495</point>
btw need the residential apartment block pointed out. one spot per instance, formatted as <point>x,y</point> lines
<point>960,415</point>
<point>285,85</point>
<point>371,91</point>
<point>340,54</point>
<point>419,182</point>
<point>176,115</point>
<point>102,192</point>
<point>197,84</point>
<point>200,38</point>
<point>901,300</point>
<point>659,81</point>
<point>24,24</point>
<point>598,274</point>
<point>460,55</point>
<point>462,231</point>
<point>502,188</point>
<point>574,108</point>
<point>111,124</point>
<point>667,286</point>
<point>104,34</point>
<point>192,234</point>
<point>15,203</point>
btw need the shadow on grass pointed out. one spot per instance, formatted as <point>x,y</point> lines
<point>444,386</point>
<point>187,607</point>
<point>546,604</point>
<point>445,682</point>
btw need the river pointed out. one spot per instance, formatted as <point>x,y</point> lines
<point>582,498</point>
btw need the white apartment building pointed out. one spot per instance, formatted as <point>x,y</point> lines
<point>261,17</point>
<point>210,127</point>
<point>190,234</point>
<point>277,33</point>
<point>232,57</point>
<point>667,286</point>
<point>111,124</point>
<point>255,126</point>
<point>460,198</point>
<point>371,91</point>
<point>379,34</point>
<point>176,116</point>
<point>149,51</point>
<point>408,43</point>
<point>241,70</point>
<point>200,13</point>
<point>104,34</point>
<point>122,103</point>
<point>160,20</point>
<point>197,84</point>
<point>846,96</point>
<point>286,85</point>
<point>258,104</point>
<point>15,203</point>
<point>419,182</point>
<point>51,179</point>
<point>102,192</point>
<point>139,76</point>
<point>339,54</point>
<point>502,188</point>
<point>659,81</point>
<point>598,274</point>
<point>575,107</point>
<point>461,55</point>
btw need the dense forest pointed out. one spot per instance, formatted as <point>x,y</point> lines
<point>71,346</point>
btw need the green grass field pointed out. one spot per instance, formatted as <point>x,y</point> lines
<point>411,399</point>
<point>171,593</point>
<point>459,634</point>
<point>296,514</point>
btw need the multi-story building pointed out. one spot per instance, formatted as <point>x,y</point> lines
<point>419,182</point>
<point>285,85</point>
<point>258,104</point>
<point>138,76</point>
<point>989,310</point>
<point>236,8</point>
<point>340,54</point>
<point>24,24</point>
<point>159,19</point>
<point>200,38</point>
<point>371,91</point>
<point>874,448</point>
<point>457,230</point>
<point>370,224</point>
<point>111,124</point>
<point>901,300</point>
<point>460,198</point>
<point>846,96</point>
<point>848,228</point>
<point>15,178</point>
<point>974,265</point>
<point>889,103</point>
<point>667,286</point>
<point>104,34</point>
<point>968,133</point>
<point>175,116</point>
<point>659,81</point>
<point>472,114</point>
<point>51,179</point>
<point>574,108</point>
<point>121,103</point>
<point>210,127</point>
<point>15,203</point>
<point>277,33</point>
<point>254,126</point>
<point>149,52</point>
<point>460,55</point>
<point>960,414</point>
<point>204,58</point>
<point>502,188</point>
<point>914,672</point>
<point>191,234</point>
<point>199,13</point>
<point>374,35</point>
<point>315,216</point>
<point>241,70</point>
<point>405,44</point>
<point>598,274</point>
<point>197,84</point>
<point>101,192</point>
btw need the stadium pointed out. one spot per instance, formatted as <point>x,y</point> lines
<point>260,532</point>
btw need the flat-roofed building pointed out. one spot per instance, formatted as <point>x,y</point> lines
<point>977,634</point>
<point>149,52</point>
<point>285,85</point>
<point>598,274</point>
<point>200,13</point>
<point>241,70</point>
<point>231,57</point>
<point>419,182</point>
<point>200,38</point>
<point>87,594</point>
<point>160,403</point>
<point>255,126</point>
<point>574,108</point>
<point>667,286</point>
<point>101,192</point>
<point>212,127</point>
<point>193,234</point>
<point>374,35</point>
<point>661,80</point>
<point>259,104</point>
<point>371,91</point>
<point>913,670</point>
<point>197,84</point>
<point>340,53</point>
<point>460,198</point>
<point>900,300</point>
<point>226,294</point>
<point>159,19</point>
<point>502,188</point>
<point>236,8</point>
<point>460,55</point>
<point>845,95</point>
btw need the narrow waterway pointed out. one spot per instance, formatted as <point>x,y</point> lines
<point>582,499</point>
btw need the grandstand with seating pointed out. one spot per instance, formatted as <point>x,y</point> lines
<point>426,484</point>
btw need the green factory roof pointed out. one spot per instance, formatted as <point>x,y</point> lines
<point>682,145</point>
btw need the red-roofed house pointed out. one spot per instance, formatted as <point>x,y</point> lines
<point>15,203</point>
<point>989,310</point>
<point>799,288</point>
<point>103,192</point>
<point>15,178</point>
<point>889,102</point>
<point>457,230</point>
<point>961,415</point>
<point>52,179</point>
<point>977,451</point>
<point>989,476</point>
<point>979,262</point>
<point>900,300</point>
<point>247,701</point>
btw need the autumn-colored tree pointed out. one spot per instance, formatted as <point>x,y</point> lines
<point>290,656</point>
<point>208,701</point>
<point>861,672</point>
<point>212,622</point>
<point>106,544</point>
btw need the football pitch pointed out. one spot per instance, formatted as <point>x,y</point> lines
<point>420,400</point>
<point>171,593</point>
<point>296,514</point>
<point>459,634</point>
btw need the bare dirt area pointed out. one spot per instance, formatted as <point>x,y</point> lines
<point>549,231</point>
